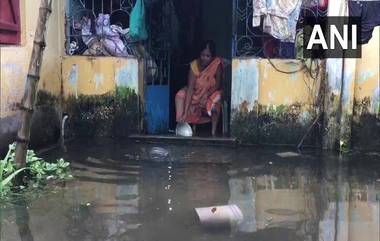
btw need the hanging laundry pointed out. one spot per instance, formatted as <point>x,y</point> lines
<point>87,35</point>
<point>110,36</point>
<point>368,11</point>
<point>87,27</point>
<point>323,4</point>
<point>138,30</point>
<point>279,17</point>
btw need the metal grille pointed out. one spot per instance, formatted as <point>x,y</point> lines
<point>87,34</point>
<point>252,41</point>
<point>159,42</point>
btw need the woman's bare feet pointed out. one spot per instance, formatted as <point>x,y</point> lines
<point>214,122</point>
<point>194,127</point>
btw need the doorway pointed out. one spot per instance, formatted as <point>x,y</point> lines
<point>177,29</point>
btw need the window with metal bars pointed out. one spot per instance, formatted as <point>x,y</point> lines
<point>98,27</point>
<point>249,41</point>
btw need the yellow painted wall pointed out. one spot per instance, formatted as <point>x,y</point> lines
<point>84,75</point>
<point>95,75</point>
<point>278,88</point>
<point>256,80</point>
<point>368,71</point>
<point>14,60</point>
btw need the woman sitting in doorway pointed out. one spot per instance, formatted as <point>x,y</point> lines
<point>200,101</point>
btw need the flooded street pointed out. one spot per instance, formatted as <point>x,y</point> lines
<point>138,192</point>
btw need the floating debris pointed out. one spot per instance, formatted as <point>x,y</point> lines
<point>373,154</point>
<point>133,226</point>
<point>158,154</point>
<point>232,172</point>
<point>219,215</point>
<point>129,156</point>
<point>287,154</point>
<point>94,160</point>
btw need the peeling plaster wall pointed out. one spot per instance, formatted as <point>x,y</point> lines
<point>276,108</point>
<point>245,87</point>
<point>64,80</point>
<point>14,62</point>
<point>84,75</point>
<point>366,118</point>
<point>101,95</point>
<point>368,73</point>
<point>269,106</point>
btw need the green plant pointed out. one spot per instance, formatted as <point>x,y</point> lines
<point>39,170</point>
<point>5,183</point>
<point>7,171</point>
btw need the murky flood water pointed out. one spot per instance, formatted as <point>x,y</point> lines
<point>125,191</point>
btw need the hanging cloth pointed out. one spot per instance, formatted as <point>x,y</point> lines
<point>369,12</point>
<point>138,30</point>
<point>280,17</point>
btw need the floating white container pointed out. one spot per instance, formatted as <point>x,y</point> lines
<point>220,215</point>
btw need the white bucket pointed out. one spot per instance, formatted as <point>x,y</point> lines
<point>184,129</point>
<point>220,215</point>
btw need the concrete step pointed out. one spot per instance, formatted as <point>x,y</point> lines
<point>172,139</point>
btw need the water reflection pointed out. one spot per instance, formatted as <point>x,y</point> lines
<point>334,203</point>
<point>22,220</point>
<point>149,193</point>
<point>351,204</point>
<point>279,201</point>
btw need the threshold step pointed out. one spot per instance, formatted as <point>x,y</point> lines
<point>213,141</point>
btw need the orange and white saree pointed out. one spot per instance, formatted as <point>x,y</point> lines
<point>205,98</point>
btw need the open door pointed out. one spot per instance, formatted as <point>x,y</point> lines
<point>177,28</point>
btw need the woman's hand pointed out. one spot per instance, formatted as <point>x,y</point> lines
<point>183,118</point>
<point>189,95</point>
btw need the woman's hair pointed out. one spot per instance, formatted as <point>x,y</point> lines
<point>210,45</point>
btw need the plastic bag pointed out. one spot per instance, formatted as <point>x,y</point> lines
<point>137,26</point>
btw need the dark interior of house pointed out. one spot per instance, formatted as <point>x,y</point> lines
<point>192,22</point>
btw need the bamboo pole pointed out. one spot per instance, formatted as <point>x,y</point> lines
<point>28,100</point>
